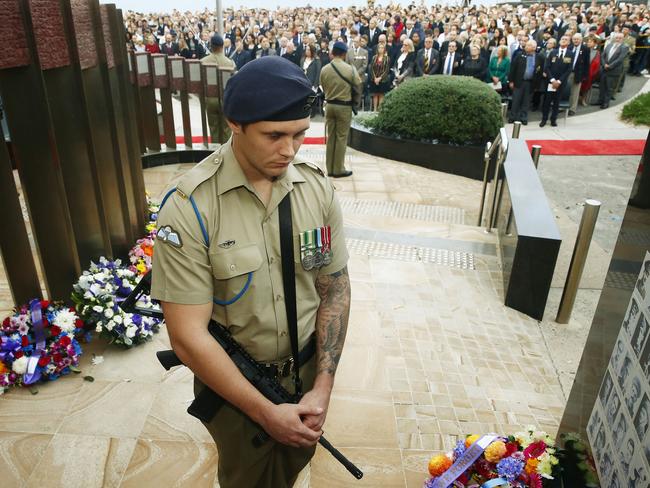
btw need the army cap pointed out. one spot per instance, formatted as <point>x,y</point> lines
<point>217,40</point>
<point>269,88</point>
<point>341,46</point>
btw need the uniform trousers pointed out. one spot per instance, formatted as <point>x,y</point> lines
<point>241,464</point>
<point>521,101</point>
<point>337,120</point>
<point>552,103</point>
<point>607,84</point>
<point>219,130</point>
<point>575,93</point>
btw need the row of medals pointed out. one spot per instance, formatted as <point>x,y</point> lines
<point>315,247</point>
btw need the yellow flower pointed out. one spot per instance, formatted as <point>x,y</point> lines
<point>495,451</point>
<point>471,439</point>
<point>141,267</point>
<point>438,465</point>
<point>531,466</point>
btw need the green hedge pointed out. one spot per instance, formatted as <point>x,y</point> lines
<point>447,109</point>
<point>637,110</point>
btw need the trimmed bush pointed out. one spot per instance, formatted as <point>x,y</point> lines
<point>637,110</point>
<point>446,109</point>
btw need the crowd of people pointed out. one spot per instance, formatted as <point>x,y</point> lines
<point>535,55</point>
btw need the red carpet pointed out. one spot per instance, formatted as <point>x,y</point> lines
<point>596,147</point>
<point>199,140</point>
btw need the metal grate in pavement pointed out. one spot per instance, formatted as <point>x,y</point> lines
<point>402,252</point>
<point>404,210</point>
<point>635,236</point>
<point>622,281</point>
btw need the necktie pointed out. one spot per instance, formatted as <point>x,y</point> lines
<point>561,53</point>
<point>612,50</point>
<point>426,61</point>
<point>575,57</point>
<point>448,67</point>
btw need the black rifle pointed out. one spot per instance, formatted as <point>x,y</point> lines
<point>207,403</point>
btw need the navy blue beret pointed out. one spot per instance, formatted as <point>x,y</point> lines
<point>340,45</point>
<point>217,40</point>
<point>268,88</point>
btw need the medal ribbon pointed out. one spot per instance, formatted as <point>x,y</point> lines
<point>32,375</point>
<point>464,462</point>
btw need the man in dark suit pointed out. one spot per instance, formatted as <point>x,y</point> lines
<point>579,71</point>
<point>228,48</point>
<point>373,32</point>
<point>169,48</point>
<point>525,71</point>
<point>557,69</point>
<point>292,54</point>
<point>611,67</point>
<point>452,61</point>
<point>427,61</point>
<point>240,56</point>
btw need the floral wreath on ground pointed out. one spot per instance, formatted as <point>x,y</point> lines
<point>141,254</point>
<point>525,460</point>
<point>39,343</point>
<point>97,296</point>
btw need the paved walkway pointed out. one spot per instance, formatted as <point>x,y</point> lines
<point>432,353</point>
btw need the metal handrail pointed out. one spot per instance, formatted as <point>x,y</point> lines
<point>500,144</point>
<point>501,157</point>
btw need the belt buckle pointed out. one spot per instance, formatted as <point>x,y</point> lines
<point>286,368</point>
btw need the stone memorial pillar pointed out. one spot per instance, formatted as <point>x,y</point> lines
<point>34,142</point>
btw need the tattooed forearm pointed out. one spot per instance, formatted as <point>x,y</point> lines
<point>332,319</point>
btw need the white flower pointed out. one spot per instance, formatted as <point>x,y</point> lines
<point>65,319</point>
<point>127,320</point>
<point>20,365</point>
<point>108,313</point>
<point>109,325</point>
<point>23,329</point>
<point>98,328</point>
<point>88,295</point>
<point>130,331</point>
<point>50,368</point>
<point>99,277</point>
<point>96,289</point>
<point>117,319</point>
<point>98,308</point>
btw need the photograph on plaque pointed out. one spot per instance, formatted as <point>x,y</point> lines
<point>642,282</point>
<point>640,334</point>
<point>620,431</point>
<point>632,393</point>
<point>620,419</point>
<point>637,475</point>
<point>606,388</point>
<point>632,316</point>
<point>642,417</point>
<point>613,406</point>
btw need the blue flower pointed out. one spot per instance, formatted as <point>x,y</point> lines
<point>459,450</point>
<point>509,468</point>
<point>430,483</point>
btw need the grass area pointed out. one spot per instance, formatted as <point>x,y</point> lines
<point>637,110</point>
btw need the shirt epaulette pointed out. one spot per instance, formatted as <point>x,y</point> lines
<point>199,173</point>
<point>311,165</point>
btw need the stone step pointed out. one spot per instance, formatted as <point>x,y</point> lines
<point>403,210</point>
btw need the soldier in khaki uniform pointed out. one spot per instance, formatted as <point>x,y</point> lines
<point>340,97</point>
<point>234,251</point>
<point>219,130</point>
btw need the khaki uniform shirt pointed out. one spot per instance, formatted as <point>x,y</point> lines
<point>334,86</point>
<point>358,57</point>
<point>244,237</point>
<point>220,59</point>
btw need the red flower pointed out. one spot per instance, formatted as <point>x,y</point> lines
<point>45,303</point>
<point>463,478</point>
<point>511,448</point>
<point>5,322</point>
<point>65,341</point>
<point>535,450</point>
<point>18,354</point>
<point>485,468</point>
<point>535,480</point>
<point>43,361</point>
<point>24,341</point>
<point>79,323</point>
<point>55,330</point>
<point>57,357</point>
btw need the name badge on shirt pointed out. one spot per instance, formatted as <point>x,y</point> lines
<point>315,248</point>
<point>567,60</point>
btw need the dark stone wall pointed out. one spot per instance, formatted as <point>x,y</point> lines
<point>106,27</point>
<point>51,43</point>
<point>12,33</point>
<point>83,27</point>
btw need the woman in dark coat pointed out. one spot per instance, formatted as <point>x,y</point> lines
<point>311,65</point>
<point>404,66</point>
<point>379,79</point>
<point>475,65</point>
